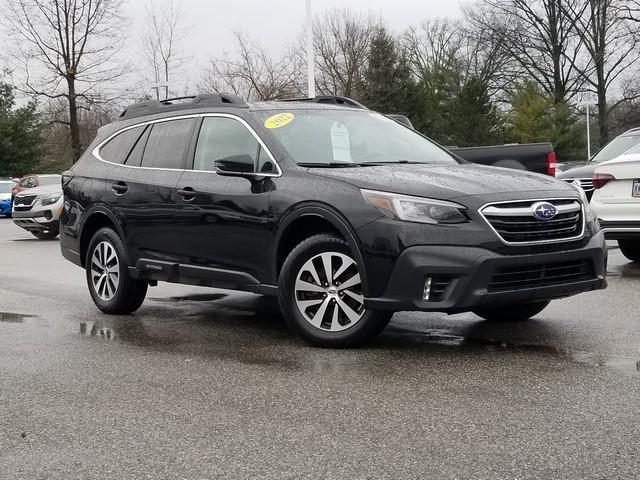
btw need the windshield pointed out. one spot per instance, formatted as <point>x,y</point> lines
<point>350,138</point>
<point>52,180</point>
<point>616,147</point>
<point>5,187</point>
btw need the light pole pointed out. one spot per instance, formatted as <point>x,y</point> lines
<point>311,63</point>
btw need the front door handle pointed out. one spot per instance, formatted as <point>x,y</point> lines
<point>187,193</point>
<point>120,188</point>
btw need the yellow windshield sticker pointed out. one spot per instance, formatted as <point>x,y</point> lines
<point>279,120</point>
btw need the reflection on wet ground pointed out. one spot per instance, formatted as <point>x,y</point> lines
<point>249,329</point>
<point>8,317</point>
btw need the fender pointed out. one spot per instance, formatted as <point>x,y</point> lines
<point>331,215</point>
<point>101,209</point>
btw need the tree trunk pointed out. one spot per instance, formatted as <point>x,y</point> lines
<point>74,126</point>
<point>603,113</point>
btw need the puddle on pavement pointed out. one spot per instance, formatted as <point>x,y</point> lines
<point>7,317</point>
<point>90,329</point>
<point>446,339</point>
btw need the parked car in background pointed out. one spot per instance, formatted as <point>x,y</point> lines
<point>5,197</point>
<point>534,157</point>
<point>33,181</point>
<point>581,173</point>
<point>342,213</point>
<point>616,201</point>
<point>38,210</point>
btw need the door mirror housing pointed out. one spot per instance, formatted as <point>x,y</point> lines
<point>236,166</point>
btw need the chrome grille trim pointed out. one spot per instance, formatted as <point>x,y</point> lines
<point>585,183</point>
<point>497,215</point>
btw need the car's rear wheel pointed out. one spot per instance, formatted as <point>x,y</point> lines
<point>321,298</point>
<point>630,249</point>
<point>512,313</point>
<point>107,270</point>
<point>45,234</point>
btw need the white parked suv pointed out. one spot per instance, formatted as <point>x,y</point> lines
<point>38,210</point>
<point>616,201</point>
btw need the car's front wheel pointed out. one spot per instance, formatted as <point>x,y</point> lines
<point>512,313</point>
<point>630,249</point>
<point>112,289</point>
<point>321,298</point>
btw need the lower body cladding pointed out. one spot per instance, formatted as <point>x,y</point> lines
<point>458,279</point>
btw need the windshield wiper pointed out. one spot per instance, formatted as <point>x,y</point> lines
<point>330,165</point>
<point>397,162</point>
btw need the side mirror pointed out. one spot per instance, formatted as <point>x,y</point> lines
<point>235,165</point>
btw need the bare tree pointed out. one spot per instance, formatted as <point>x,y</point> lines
<point>342,40</point>
<point>609,33</point>
<point>162,44</point>
<point>540,36</point>
<point>67,48</point>
<point>252,73</point>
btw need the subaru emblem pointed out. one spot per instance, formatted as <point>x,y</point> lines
<point>544,211</point>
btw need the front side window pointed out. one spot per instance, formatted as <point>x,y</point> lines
<point>167,144</point>
<point>350,138</point>
<point>225,141</point>
<point>117,149</point>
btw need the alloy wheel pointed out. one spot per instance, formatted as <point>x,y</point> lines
<point>328,292</point>
<point>105,271</point>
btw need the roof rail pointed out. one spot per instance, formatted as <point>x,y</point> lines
<point>636,129</point>
<point>150,107</point>
<point>330,99</point>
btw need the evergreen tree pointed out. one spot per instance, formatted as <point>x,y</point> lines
<point>476,121</point>
<point>21,144</point>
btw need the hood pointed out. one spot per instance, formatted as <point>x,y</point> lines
<point>43,190</point>
<point>443,182</point>
<point>579,170</point>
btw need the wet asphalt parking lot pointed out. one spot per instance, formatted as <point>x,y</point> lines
<point>204,383</point>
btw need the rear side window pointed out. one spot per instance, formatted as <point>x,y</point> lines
<point>223,138</point>
<point>117,149</point>
<point>167,144</point>
<point>135,157</point>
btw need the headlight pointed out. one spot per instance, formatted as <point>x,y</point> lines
<point>415,209</point>
<point>50,200</point>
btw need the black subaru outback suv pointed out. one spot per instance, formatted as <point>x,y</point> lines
<point>343,213</point>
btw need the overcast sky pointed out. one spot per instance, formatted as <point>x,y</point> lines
<point>276,23</point>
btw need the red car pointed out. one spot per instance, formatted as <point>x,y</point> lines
<point>32,181</point>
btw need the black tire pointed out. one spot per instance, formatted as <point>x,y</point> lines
<point>512,313</point>
<point>371,322</point>
<point>630,249</point>
<point>129,293</point>
<point>45,234</point>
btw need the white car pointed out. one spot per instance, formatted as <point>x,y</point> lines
<point>616,201</point>
<point>38,210</point>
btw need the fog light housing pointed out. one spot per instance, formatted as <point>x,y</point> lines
<point>48,215</point>
<point>436,289</point>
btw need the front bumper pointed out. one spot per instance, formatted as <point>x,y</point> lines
<point>5,207</point>
<point>465,277</point>
<point>39,218</point>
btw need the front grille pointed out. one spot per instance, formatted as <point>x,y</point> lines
<point>585,183</point>
<point>535,276</point>
<point>516,224</point>
<point>26,200</point>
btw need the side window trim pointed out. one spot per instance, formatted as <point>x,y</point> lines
<point>191,150</point>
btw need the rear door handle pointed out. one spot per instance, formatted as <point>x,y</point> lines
<point>120,188</point>
<point>187,193</point>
